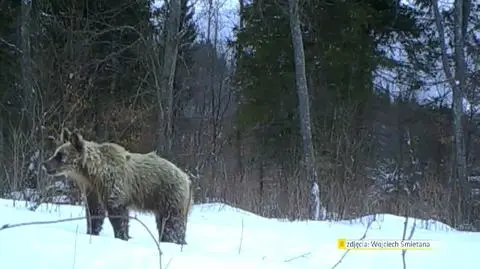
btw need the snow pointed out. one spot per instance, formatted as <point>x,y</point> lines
<point>220,236</point>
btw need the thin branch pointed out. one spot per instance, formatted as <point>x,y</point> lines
<point>405,228</point>
<point>361,238</point>
<point>412,231</point>
<point>168,263</point>
<point>10,45</point>
<point>164,221</point>
<point>241,240</point>
<point>304,255</point>
<point>75,248</point>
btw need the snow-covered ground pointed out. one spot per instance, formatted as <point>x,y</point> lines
<point>220,236</point>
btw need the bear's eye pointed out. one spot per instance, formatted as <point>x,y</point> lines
<point>59,157</point>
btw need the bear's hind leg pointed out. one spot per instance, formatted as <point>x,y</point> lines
<point>95,213</point>
<point>174,228</point>
<point>118,216</point>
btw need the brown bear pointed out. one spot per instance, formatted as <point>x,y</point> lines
<point>96,207</point>
<point>123,179</point>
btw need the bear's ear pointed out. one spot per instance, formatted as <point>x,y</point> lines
<point>65,135</point>
<point>77,141</point>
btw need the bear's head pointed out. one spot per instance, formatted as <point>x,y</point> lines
<point>67,155</point>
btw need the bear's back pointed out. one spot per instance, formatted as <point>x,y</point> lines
<point>112,153</point>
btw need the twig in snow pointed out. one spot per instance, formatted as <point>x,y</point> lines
<point>168,263</point>
<point>16,225</point>
<point>412,231</point>
<point>361,238</point>
<point>241,240</point>
<point>405,223</point>
<point>75,248</point>
<point>304,255</point>
<point>164,220</point>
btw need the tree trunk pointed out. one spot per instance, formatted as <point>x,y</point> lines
<point>213,89</point>
<point>26,68</point>
<point>2,151</point>
<point>165,91</point>
<point>457,84</point>
<point>238,135</point>
<point>461,18</point>
<point>458,92</point>
<point>304,108</point>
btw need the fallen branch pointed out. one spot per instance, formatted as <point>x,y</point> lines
<point>361,238</point>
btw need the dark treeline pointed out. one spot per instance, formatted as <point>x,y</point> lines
<point>379,74</point>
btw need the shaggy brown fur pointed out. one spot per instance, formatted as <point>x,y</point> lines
<point>96,206</point>
<point>144,182</point>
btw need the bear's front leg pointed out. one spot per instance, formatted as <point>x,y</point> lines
<point>95,212</point>
<point>174,228</point>
<point>118,216</point>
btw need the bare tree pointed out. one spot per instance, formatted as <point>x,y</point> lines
<point>2,152</point>
<point>457,81</point>
<point>304,107</point>
<point>26,67</point>
<point>165,91</point>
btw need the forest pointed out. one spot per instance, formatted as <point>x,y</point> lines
<point>312,109</point>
